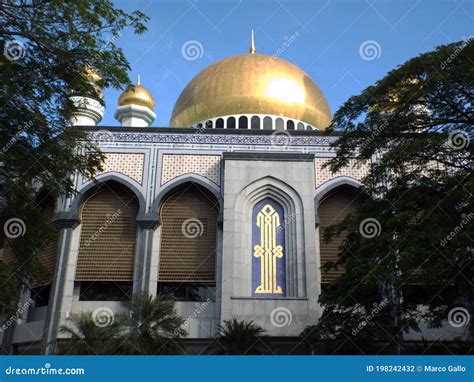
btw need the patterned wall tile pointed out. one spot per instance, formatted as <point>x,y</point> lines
<point>323,175</point>
<point>175,165</point>
<point>129,164</point>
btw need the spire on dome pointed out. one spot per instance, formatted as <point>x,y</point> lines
<point>138,80</point>
<point>252,45</point>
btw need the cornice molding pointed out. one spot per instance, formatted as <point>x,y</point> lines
<point>199,138</point>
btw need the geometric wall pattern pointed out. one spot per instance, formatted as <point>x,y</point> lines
<point>129,164</point>
<point>323,175</point>
<point>175,165</point>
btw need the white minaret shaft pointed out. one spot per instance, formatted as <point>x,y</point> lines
<point>89,110</point>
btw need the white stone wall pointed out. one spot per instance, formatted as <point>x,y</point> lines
<point>237,301</point>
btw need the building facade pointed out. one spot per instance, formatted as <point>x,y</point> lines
<point>223,211</point>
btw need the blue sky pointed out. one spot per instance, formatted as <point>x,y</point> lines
<point>329,35</point>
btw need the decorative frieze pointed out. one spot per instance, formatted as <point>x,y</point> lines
<point>196,136</point>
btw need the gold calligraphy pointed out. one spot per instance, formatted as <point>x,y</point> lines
<point>268,251</point>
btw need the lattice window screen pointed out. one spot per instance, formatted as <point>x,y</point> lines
<point>108,235</point>
<point>8,256</point>
<point>188,237</point>
<point>49,254</point>
<point>332,210</point>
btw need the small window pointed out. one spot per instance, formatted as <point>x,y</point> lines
<point>300,126</point>
<point>243,122</point>
<point>267,123</point>
<point>40,295</point>
<point>309,128</point>
<point>187,292</point>
<point>105,291</point>
<point>231,123</point>
<point>290,125</point>
<point>209,124</point>
<point>279,124</point>
<point>255,123</point>
<point>219,123</point>
<point>199,126</point>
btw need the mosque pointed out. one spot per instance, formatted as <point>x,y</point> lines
<point>223,211</point>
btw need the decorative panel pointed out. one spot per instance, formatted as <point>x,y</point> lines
<point>188,236</point>
<point>359,171</point>
<point>108,235</point>
<point>129,164</point>
<point>268,249</point>
<point>175,165</point>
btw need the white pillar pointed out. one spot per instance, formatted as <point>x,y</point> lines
<point>89,111</point>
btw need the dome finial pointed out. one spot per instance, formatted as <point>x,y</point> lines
<point>252,45</point>
<point>135,106</point>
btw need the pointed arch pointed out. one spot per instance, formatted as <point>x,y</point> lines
<point>330,185</point>
<point>290,200</point>
<point>186,178</point>
<point>91,186</point>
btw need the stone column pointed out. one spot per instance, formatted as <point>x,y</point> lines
<point>218,297</point>
<point>147,223</point>
<point>65,222</point>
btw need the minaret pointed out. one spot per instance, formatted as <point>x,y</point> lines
<point>252,45</point>
<point>135,107</point>
<point>89,110</point>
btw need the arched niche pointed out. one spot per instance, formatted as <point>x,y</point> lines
<point>108,239</point>
<point>335,200</point>
<point>290,200</point>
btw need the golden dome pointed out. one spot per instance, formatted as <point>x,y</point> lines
<point>137,95</point>
<point>251,84</point>
<point>91,74</point>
